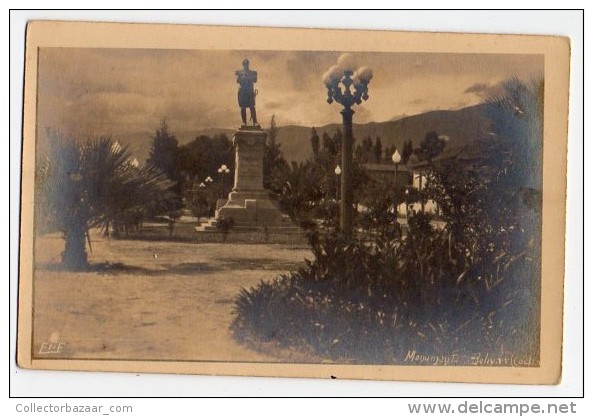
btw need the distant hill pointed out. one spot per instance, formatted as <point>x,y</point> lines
<point>461,126</point>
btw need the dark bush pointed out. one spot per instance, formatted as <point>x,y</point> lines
<point>469,286</point>
<point>355,303</point>
<point>224,225</point>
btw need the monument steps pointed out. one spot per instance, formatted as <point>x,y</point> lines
<point>287,228</point>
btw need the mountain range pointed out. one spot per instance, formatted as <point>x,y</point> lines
<point>461,126</point>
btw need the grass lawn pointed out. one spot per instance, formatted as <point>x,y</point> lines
<point>150,300</point>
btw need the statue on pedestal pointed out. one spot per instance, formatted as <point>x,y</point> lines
<point>246,79</point>
<point>249,204</point>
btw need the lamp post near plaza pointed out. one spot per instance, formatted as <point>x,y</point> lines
<point>339,81</point>
<point>338,172</point>
<point>223,171</point>
<point>407,206</point>
<point>396,158</point>
<point>209,192</point>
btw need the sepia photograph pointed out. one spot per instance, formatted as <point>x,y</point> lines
<point>257,201</point>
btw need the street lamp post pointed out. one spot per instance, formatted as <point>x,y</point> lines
<point>338,80</point>
<point>223,170</point>
<point>396,158</point>
<point>338,172</point>
<point>201,187</point>
<point>206,183</point>
<point>407,207</point>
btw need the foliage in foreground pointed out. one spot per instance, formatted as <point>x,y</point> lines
<point>369,304</point>
<point>469,287</point>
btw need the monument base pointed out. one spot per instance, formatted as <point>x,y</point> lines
<point>249,204</point>
<point>251,208</point>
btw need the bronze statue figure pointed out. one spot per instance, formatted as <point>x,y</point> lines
<point>246,78</point>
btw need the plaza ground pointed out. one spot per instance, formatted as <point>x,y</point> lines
<point>151,300</point>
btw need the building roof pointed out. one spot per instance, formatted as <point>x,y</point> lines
<point>385,168</point>
<point>465,153</point>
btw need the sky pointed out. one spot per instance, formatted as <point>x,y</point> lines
<point>85,91</point>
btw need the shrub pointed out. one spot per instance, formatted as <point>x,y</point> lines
<point>224,226</point>
<point>358,303</point>
<point>372,300</point>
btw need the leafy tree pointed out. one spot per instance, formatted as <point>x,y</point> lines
<point>164,153</point>
<point>407,151</point>
<point>314,142</point>
<point>200,159</point>
<point>367,150</point>
<point>336,149</point>
<point>165,156</point>
<point>358,153</point>
<point>430,147</point>
<point>378,149</point>
<point>327,143</point>
<point>274,163</point>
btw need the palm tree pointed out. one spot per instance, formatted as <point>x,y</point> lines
<point>515,139</point>
<point>118,187</point>
<point>95,184</point>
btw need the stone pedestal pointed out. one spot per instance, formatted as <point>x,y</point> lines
<point>248,203</point>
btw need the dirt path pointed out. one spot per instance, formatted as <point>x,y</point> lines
<point>150,300</point>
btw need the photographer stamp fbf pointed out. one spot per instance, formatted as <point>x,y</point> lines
<point>293,202</point>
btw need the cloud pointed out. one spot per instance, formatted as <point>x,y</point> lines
<point>478,88</point>
<point>129,90</point>
<point>363,114</point>
<point>273,105</point>
<point>304,69</point>
<point>417,101</point>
